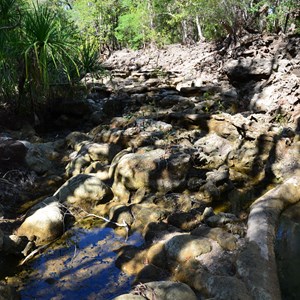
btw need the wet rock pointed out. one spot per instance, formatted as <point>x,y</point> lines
<point>84,188</point>
<point>45,224</point>
<point>184,247</point>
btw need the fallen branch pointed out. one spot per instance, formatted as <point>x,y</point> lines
<point>36,251</point>
<point>123,224</point>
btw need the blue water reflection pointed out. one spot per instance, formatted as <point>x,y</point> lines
<point>80,267</point>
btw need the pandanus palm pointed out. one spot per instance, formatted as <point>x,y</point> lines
<point>48,43</point>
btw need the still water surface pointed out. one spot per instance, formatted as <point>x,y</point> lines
<point>79,266</point>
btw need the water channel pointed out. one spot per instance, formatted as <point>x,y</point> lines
<point>80,265</point>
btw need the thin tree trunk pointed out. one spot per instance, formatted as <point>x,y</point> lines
<point>199,30</point>
<point>184,31</point>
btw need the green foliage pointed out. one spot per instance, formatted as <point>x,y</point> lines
<point>10,20</point>
<point>88,62</point>
<point>46,40</point>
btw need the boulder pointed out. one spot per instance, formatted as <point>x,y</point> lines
<point>98,152</point>
<point>165,290</point>
<point>45,224</point>
<point>12,152</point>
<point>213,149</point>
<point>84,188</point>
<point>246,68</point>
<point>184,247</point>
<point>75,138</point>
<point>213,287</point>
<point>40,157</point>
<point>156,170</point>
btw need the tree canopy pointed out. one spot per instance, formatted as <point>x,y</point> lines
<point>47,42</point>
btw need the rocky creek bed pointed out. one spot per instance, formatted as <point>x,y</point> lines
<point>196,148</point>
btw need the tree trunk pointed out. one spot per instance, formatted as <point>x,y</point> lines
<point>184,31</point>
<point>199,30</point>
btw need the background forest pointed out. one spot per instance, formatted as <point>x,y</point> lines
<point>45,44</point>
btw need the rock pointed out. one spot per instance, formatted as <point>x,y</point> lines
<point>213,149</point>
<point>171,100</point>
<point>184,220</point>
<point>77,165</point>
<point>152,125</point>
<point>248,68</point>
<point>84,188</point>
<point>89,152</point>
<point>221,219</point>
<point>8,292</point>
<point>211,286</point>
<point>184,247</point>
<point>45,224</point>
<point>285,160</point>
<point>225,239</point>
<point>150,273</point>
<point>12,152</point>
<point>97,117</point>
<point>39,158</point>
<point>121,214</point>
<point>166,290</point>
<point>156,255</point>
<point>156,170</point>
<point>225,287</point>
<point>13,244</point>
<point>145,214</point>
<point>75,138</point>
<point>130,297</point>
<point>259,253</point>
<point>98,152</point>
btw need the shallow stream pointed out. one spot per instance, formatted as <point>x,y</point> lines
<point>80,265</point>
